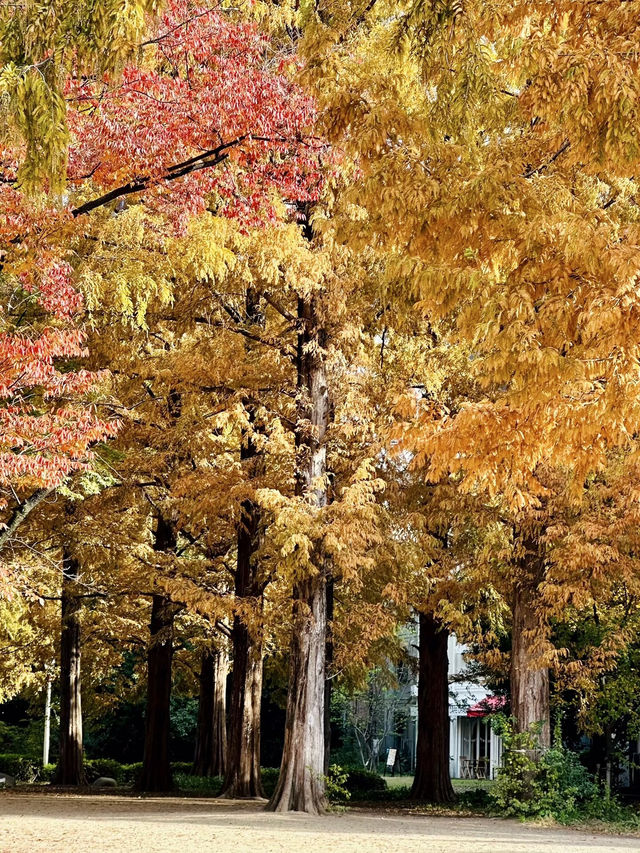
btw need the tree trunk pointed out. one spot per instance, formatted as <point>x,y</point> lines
<point>301,784</point>
<point>211,735</point>
<point>328,682</point>
<point>156,770</point>
<point>70,766</point>
<point>242,777</point>
<point>432,781</point>
<point>529,680</point>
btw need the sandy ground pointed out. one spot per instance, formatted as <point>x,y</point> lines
<point>30,823</point>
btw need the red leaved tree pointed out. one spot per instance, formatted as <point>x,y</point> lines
<point>205,92</point>
<point>206,119</point>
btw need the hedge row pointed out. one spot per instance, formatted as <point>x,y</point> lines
<point>28,770</point>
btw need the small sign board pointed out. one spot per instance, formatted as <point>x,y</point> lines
<point>391,758</point>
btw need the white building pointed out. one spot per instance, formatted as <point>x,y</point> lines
<point>475,749</point>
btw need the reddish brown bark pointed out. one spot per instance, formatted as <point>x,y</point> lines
<point>432,780</point>
<point>156,770</point>
<point>242,778</point>
<point>529,676</point>
<point>211,735</point>
<point>70,769</point>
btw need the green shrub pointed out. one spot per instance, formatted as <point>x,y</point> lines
<point>21,768</point>
<point>362,781</point>
<point>47,773</point>
<point>184,768</point>
<point>94,768</point>
<point>269,776</point>
<point>552,783</point>
<point>341,783</point>
<point>25,740</point>
<point>609,809</point>
<point>11,738</point>
<point>351,781</point>
<point>126,774</point>
<point>206,786</point>
<point>474,799</point>
<point>336,782</point>
<point>131,773</point>
<point>210,786</point>
<point>532,783</point>
<point>358,781</point>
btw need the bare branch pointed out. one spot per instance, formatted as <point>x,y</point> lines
<point>21,512</point>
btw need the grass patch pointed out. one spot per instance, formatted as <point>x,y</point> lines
<point>398,781</point>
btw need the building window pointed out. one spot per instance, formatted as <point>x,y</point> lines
<point>475,743</point>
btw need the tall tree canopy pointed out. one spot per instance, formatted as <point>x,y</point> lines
<point>87,131</point>
<point>353,286</point>
<point>500,186</point>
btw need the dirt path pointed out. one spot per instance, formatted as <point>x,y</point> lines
<point>31,823</point>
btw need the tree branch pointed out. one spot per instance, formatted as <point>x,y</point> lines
<point>280,308</point>
<point>531,172</point>
<point>185,23</point>
<point>21,512</point>
<point>239,330</point>
<point>206,160</point>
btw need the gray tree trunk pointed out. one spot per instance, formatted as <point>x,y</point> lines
<point>242,778</point>
<point>328,683</point>
<point>301,784</point>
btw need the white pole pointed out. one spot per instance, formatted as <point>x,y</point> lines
<point>47,724</point>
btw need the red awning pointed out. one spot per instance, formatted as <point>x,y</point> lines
<point>486,706</point>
